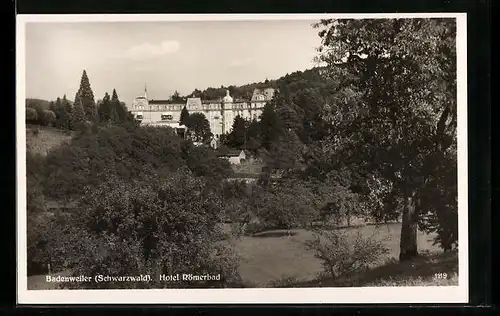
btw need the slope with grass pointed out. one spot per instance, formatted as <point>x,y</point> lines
<point>40,139</point>
<point>273,257</point>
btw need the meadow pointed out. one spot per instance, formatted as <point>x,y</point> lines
<point>40,139</point>
<point>276,259</point>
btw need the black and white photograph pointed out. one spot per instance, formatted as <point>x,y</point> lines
<point>232,158</point>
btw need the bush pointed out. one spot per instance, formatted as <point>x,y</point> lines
<point>48,118</point>
<point>31,115</point>
<point>151,227</point>
<point>285,205</point>
<point>342,254</point>
<point>100,152</point>
<point>45,242</point>
<point>35,201</point>
<point>342,204</point>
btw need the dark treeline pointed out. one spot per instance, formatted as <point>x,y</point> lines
<point>245,92</point>
<point>72,115</point>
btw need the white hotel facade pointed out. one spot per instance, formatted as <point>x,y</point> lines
<point>219,113</point>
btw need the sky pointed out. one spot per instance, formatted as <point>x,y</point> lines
<point>164,56</point>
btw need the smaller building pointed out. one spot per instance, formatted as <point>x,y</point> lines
<point>213,143</point>
<point>235,157</point>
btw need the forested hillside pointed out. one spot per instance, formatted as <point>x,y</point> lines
<point>369,138</point>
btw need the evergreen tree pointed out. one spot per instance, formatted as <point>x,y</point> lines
<point>270,126</point>
<point>253,136</point>
<point>68,112</point>
<point>184,116</point>
<point>85,97</point>
<point>237,136</point>
<point>56,108</point>
<point>78,116</point>
<point>105,111</point>
<point>118,109</point>
<point>63,113</point>
<point>176,97</point>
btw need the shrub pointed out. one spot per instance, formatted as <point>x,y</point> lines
<point>35,201</point>
<point>342,254</point>
<point>31,115</point>
<point>151,227</point>
<point>46,240</point>
<point>285,205</point>
<point>48,118</point>
<point>342,204</point>
<point>440,201</point>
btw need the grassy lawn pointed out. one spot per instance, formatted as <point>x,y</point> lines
<point>274,256</point>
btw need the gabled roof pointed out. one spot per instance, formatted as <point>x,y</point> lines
<point>193,102</point>
<point>268,93</point>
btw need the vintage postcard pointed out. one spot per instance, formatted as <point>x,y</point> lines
<point>207,159</point>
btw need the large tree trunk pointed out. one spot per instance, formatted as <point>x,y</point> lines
<point>408,243</point>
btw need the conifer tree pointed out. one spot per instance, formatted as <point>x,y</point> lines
<point>78,116</point>
<point>85,96</point>
<point>236,138</point>
<point>271,126</point>
<point>104,109</point>
<point>184,116</point>
<point>66,113</point>
<point>63,112</point>
<point>118,109</point>
<point>54,106</point>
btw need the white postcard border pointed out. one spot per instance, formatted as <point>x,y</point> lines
<point>430,294</point>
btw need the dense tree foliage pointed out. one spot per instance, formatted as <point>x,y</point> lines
<point>244,92</point>
<point>199,127</point>
<point>105,111</point>
<point>120,109</point>
<point>127,152</point>
<point>31,115</point>
<point>153,227</point>
<point>40,112</point>
<point>237,137</point>
<point>177,98</point>
<point>122,154</point>
<point>111,110</point>
<point>398,118</point>
<point>64,112</point>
